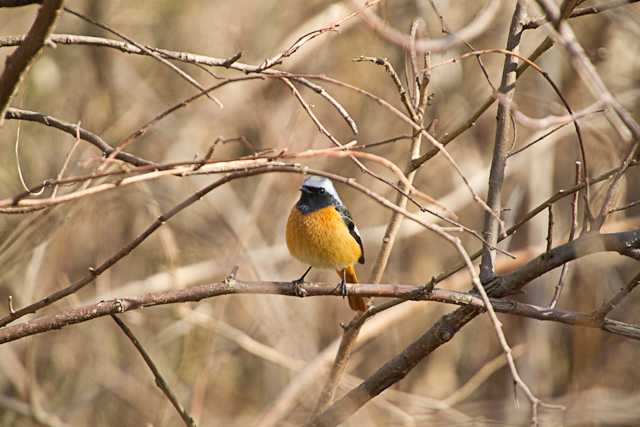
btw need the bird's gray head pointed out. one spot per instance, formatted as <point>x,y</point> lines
<point>317,192</point>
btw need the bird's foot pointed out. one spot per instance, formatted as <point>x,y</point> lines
<point>298,290</point>
<point>296,284</point>
<point>342,287</point>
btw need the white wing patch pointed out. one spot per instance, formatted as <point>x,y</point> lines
<point>355,229</point>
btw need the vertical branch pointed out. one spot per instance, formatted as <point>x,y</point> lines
<point>550,228</point>
<point>347,343</point>
<point>491,228</point>
<point>18,63</point>
<point>572,234</point>
<point>160,381</point>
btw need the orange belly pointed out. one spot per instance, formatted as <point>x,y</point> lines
<point>321,239</point>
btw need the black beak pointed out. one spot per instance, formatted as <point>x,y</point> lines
<point>305,189</point>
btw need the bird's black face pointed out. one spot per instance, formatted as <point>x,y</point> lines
<point>314,198</point>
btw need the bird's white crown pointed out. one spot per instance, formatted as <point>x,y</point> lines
<point>315,181</point>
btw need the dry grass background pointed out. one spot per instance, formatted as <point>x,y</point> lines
<point>229,358</point>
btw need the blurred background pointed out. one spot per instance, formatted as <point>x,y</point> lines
<point>233,360</point>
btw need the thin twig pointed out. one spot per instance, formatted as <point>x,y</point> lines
<point>583,11</point>
<point>148,51</point>
<point>625,207</point>
<point>572,234</point>
<point>481,377</point>
<point>417,128</point>
<point>562,33</point>
<point>549,228</point>
<point>159,379</point>
<point>611,304</point>
<point>468,32</point>
<point>67,159</point>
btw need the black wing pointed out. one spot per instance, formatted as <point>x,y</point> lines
<point>353,230</point>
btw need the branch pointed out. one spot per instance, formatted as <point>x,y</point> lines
<point>564,35</point>
<point>149,52</point>
<point>160,381</point>
<point>491,228</point>
<point>545,45</point>
<point>468,301</point>
<point>94,272</point>
<point>18,3</point>
<point>239,172</point>
<point>611,304</point>
<point>18,63</point>
<point>73,129</point>
<point>125,47</point>
<point>502,286</point>
<point>535,211</point>
<point>446,328</point>
<point>470,31</point>
<point>583,11</point>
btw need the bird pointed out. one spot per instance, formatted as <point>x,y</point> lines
<point>320,232</point>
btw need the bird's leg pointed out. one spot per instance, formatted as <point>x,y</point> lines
<point>342,286</point>
<point>297,289</point>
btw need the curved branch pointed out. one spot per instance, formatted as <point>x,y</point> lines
<point>73,130</point>
<point>452,39</point>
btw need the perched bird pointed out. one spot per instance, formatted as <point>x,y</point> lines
<point>321,233</point>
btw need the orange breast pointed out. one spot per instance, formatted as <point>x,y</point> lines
<point>321,239</point>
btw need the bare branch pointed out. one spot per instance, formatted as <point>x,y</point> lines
<point>443,331</point>
<point>149,52</point>
<point>159,379</point>
<point>446,328</point>
<point>582,11</point>
<point>467,33</point>
<point>70,128</point>
<point>491,230</point>
<point>18,63</point>
<point>608,306</point>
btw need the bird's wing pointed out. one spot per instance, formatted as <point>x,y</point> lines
<point>353,229</point>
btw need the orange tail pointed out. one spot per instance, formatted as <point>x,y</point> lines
<point>355,302</point>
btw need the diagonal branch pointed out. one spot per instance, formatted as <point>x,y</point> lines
<point>71,129</point>
<point>18,63</point>
<point>160,381</point>
<point>447,326</point>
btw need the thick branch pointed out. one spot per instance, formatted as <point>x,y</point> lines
<point>502,286</point>
<point>18,63</point>
<point>491,228</point>
<point>18,3</point>
<point>105,308</point>
<point>445,328</point>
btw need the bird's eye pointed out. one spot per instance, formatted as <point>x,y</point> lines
<point>322,191</point>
